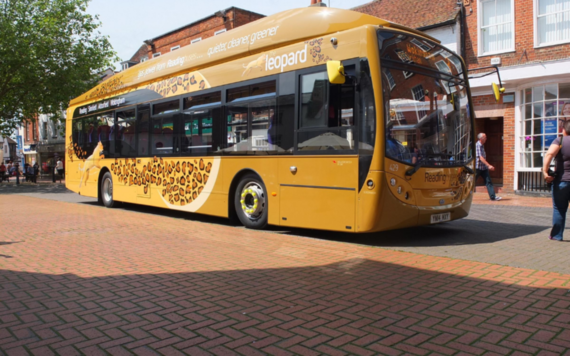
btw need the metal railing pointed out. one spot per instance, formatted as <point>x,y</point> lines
<point>532,182</point>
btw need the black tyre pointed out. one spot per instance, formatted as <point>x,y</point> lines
<point>107,190</point>
<point>251,202</point>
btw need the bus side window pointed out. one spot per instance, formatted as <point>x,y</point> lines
<point>143,128</point>
<point>250,112</point>
<point>106,123</point>
<point>126,134</point>
<point>326,113</point>
<point>202,123</point>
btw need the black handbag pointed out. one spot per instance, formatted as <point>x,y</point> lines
<point>552,173</point>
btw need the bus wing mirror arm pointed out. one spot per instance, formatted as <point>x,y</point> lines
<point>410,172</point>
<point>468,169</point>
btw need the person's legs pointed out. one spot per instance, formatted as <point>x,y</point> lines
<point>488,183</point>
<point>560,196</point>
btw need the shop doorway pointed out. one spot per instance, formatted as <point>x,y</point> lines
<point>493,147</point>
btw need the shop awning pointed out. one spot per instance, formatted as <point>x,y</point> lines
<point>30,152</point>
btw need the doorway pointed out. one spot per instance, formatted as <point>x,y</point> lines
<point>493,147</point>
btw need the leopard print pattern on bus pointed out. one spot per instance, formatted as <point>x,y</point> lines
<point>177,85</point>
<point>179,182</point>
<point>315,51</point>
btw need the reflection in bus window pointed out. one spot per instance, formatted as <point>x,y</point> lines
<point>237,128</point>
<point>126,133</point>
<point>327,113</point>
<point>142,125</point>
<point>198,127</point>
<point>162,136</point>
<point>105,133</point>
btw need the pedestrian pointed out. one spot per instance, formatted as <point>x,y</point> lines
<point>30,173</point>
<point>17,169</point>
<point>560,179</point>
<point>60,170</point>
<point>483,167</point>
<point>3,172</point>
<point>36,172</point>
<point>25,172</point>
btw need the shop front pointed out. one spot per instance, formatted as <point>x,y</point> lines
<point>30,154</point>
<point>542,110</point>
<point>49,153</point>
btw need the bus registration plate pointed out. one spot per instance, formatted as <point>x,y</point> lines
<point>437,218</point>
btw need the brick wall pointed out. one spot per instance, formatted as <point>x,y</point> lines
<point>524,40</point>
<point>203,29</point>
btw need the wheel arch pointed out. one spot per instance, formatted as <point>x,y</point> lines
<point>99,179</point>
<point>232,215</point>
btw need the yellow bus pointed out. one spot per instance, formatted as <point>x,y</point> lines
<point>315,118</point>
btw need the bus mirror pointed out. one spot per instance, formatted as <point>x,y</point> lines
<point>497,91</point>
<point>335,70</point>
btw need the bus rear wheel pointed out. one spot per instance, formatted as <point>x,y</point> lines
<point>251,202</point>
<point>107,190</point>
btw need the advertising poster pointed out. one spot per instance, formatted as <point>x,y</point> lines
<point>550,132</point>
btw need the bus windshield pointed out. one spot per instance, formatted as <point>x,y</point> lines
<point>427,116</point>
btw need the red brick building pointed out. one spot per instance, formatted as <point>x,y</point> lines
<point>530,42</point>
<point>215,24</point>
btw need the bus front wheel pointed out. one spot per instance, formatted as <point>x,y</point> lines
<point>251,202</point>
<point>107,190</point>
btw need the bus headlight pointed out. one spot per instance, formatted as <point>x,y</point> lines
<point>370,184</point>
<point>393,181</point>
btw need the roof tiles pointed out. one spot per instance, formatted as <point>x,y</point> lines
<point>412,13</point>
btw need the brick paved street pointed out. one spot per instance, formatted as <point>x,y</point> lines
<point>80,279</point>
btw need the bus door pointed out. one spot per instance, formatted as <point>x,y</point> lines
<point>318,185</point>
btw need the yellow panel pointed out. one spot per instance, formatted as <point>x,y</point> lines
<point>318,192</point>
<point>315,208</point>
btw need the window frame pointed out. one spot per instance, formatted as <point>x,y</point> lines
<point>219,32</point>
<point>196,40</point>
<point>535,16</point>
<point>480,45</point>
<point>174,48</point>
<point>356,110</point>
<point>157,54</point>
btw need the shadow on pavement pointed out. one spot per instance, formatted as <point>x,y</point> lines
<point>357,306</point>
<point>462,232</point>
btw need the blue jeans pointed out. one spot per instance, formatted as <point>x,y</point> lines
<point>560,198</point>
<point>485,174</point>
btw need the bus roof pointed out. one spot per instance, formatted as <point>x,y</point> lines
<point>269,32</point>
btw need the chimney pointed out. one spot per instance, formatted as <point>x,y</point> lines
<point>317,3</point>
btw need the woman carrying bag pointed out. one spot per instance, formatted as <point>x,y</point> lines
<point>560,179</point>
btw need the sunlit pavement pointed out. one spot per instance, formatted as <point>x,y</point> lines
<point>77,278</point>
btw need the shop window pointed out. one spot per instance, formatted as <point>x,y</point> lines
<point>544,110</point>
